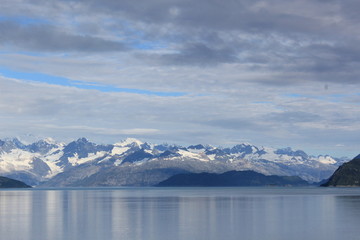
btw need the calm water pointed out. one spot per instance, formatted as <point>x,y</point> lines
<point>180,213</point>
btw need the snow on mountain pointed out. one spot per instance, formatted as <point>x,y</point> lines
<point>52,160</point>
<point>198,155</point>
<point>16,160</point>
<point>118,150</point>
<point>129,142</point>
<point>50,140</point>
<point>30,163</point>
<point>45,159</point>
<point>25,160</point>
<point>326,160</point>
<point>76,160</point>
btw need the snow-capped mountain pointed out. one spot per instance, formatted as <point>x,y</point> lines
<point>132,162</point>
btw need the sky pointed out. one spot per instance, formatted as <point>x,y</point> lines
<point>272,73</point>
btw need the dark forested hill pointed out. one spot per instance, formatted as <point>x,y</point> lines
<point>11,183</point>
<point>347,175</point>
<point>231,178</point>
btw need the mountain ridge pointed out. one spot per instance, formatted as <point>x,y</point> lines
<point>45,161</point>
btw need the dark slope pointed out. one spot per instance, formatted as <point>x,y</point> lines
<point>11,183</point>
<point>231,178</point>
<point>347,175</point>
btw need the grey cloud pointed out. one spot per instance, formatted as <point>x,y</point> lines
<point>236,124</point>
<point>199,54</point>
<point>49,38</point>
<point>335,62</point>
<point>265,36</point>
<point>293,117</point>
<point>329,58</point>
<point>349,9</point>
<point>214,14</point>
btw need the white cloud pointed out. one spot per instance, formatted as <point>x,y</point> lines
<point>218,119</point>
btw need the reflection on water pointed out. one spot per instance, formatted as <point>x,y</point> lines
<point>181,213</point>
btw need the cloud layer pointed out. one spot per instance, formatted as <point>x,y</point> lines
<point>269,72</point>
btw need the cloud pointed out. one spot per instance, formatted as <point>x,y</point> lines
<point>197,54</point>
<point>48,38</point>
<point>278,37</point>
<point>276,73</point>
<point>293,117</point>
<point>101,131</point>
<point>244,15</point>
<point>68,112</point>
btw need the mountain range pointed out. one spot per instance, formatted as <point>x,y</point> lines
<point>47,163</point>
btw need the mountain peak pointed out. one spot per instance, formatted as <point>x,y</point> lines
<point>245,144</point>
<point>290,152</point>
<point>129,141</point>
<point>199,146</point>
<point>326,159</point>
<point>11,143</point>
<point>244,148</point>
<point>82,140</point>
<point>42,146</point>
<point>49,140</point>
<point>15,141</point>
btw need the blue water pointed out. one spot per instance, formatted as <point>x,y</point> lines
<point>180,213</point>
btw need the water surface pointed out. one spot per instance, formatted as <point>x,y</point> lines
<point>180,213</point>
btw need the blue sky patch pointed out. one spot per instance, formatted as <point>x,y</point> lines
<point>61,81</point>
<point>24,20</point>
